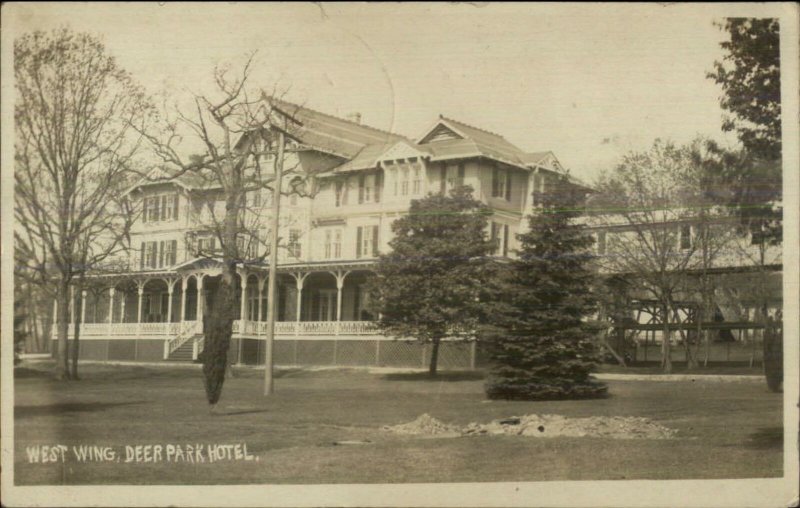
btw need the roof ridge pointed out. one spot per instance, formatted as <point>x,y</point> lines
<point>352,122</point>
<point>471,126</point>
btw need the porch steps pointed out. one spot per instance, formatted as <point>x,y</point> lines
<point>183,353</point>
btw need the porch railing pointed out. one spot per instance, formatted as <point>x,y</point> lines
<point>176,332</point>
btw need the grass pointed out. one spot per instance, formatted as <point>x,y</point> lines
<point>726,430</point>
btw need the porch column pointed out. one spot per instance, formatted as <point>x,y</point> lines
<point>122,307</point>
<point>170,289</point>
<point>260,301</point>
<point>83,307</point>
<point>339,286</point>
<point>299,279</point>
<point>199,312</point>
<point>139,312</point>
<point>110,310</point>
<point>183,301</point>
<point>243,303</point>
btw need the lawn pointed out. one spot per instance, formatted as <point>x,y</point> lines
<point>725,430</point>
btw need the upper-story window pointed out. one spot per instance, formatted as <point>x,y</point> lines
<point>685,237</point>
<point>339,194</point>
<point>369,188</point>
<point>538,189</point>
<point>333,243</point>
<point>253,198</point>
<point>404,181</point>
<point>501,184</point>
<point>206,245</point>
<point>367,241</point>
<point>455,176</point>
<point>294,243</point>
<point>158,254</point>
<point>417,182</point>
<point>162,207</point>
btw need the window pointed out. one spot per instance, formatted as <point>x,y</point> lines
<point>601,242</point>
<point>163,207</point>
<point>205,246</point>
<point>417,184</point>
<point>501,184</point>
<point>500,234</point>
<point>253,199</point>
<point>455,176</point>
<point>685,237</point>
<point>538,180</point>
<point>294,243</point>
<point>366,241</point>
<point>339,194</point>
<point>369,188</point>
<point>333,243</point>
<point>158,254</point>
<point>404,182</point>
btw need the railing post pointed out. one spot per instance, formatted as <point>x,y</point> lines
<point>111,291</point>
<point>139,313</point>
<point>170,288</point>
<point>299,279</point>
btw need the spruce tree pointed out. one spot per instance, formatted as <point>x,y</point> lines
<point>539,339</point>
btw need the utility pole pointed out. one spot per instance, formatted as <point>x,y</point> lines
<point>269,388</point>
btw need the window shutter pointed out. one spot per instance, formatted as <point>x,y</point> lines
<point>505,240</point>
<point>141,258</point>
<point>360,189</point>
<point>358,241</point>
<point>378,186</point>
<point>461,174</point>
<point>508,185</point>
<point>375,232</point>
<point>443,179</point>
<point>175,200</point>
<point>495,182</point>
<point>145,202</point>
<point>338,193</point>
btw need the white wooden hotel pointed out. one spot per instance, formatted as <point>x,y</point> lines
<point>366,179</point>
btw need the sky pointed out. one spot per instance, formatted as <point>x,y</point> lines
<point>588,82</point>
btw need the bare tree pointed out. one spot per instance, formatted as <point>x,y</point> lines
<point>73,150</point>
<point>664,229</point>
<point>241,130</point>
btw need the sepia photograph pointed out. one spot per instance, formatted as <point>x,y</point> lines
<point>400,254</point>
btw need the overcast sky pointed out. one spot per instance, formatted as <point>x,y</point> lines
<point>587,82</point>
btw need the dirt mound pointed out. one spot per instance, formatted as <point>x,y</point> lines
<point>425,425</point>
<point>533,425</point>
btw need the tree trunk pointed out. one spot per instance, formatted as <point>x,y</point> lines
<point>434,357</point>
<point>666,359</point>
<point>218,331</point>
<point>79,303</point>
<point>62,358</point>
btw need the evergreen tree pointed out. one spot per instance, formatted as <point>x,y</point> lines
<point>540,342</point>
<point>430,285</point>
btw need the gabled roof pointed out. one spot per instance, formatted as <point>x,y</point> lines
<point>331,134</point>
<point>452,138</point>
